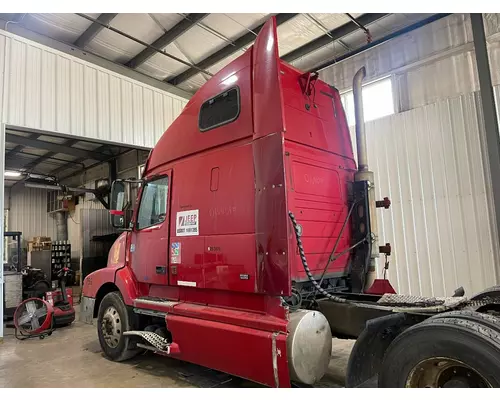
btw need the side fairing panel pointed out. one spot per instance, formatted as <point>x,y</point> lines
<point>271,218</point>
<point>271,223</point>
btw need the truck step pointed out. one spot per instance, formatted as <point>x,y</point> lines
<point>157,342</point>
<point>147,302</point>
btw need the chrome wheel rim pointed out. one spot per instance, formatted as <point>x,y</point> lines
<point>444,372</point>
<point>111,327</point>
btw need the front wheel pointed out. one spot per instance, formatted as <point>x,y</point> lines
<point>443,353</point>
<point>113,319</point>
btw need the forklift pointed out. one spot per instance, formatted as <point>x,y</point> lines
<point>13,278</point>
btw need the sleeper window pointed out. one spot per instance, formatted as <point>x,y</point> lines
<point>153,208</point>
<point>220,110</point>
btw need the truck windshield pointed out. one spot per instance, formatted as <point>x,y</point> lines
<point>153,206</point>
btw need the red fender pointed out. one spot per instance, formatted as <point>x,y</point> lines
<point>114,273</point>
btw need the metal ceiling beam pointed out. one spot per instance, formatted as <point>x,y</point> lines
<point>54,147</point>
<point>333,35</point>
<point>22,161</point>
<point>327,32</point>
<point>50,154</point>
<point>15,163</point>
<point>384,39</point>
<point>163,41</point>
<point>158,50</point>
<point>93,30</point>
<point>18,148</point>
<point>225,51</point>
<point>359,24</point>
<point>71,164</point>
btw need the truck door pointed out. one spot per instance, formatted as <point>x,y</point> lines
<point>150,234</point>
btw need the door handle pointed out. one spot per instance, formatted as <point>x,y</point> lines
<point>161,270</point>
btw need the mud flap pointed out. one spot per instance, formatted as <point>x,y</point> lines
<point>369,349</point>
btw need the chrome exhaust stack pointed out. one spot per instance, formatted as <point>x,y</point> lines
<point>364,174</point>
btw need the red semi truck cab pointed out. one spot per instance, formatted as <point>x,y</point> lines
<point>209,262</point>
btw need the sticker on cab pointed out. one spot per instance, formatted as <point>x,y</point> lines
<point>175,253</point>
<point>187,223</point>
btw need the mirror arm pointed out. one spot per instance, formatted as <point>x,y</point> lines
<point>102,200</point>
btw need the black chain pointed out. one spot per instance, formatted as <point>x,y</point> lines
<point>306,267</point>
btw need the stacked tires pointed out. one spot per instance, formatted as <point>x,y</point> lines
<point>450,350</point>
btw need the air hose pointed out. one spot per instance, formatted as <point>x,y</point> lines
<point>306,267</point>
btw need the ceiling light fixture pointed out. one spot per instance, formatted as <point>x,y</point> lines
<point>12,173</point>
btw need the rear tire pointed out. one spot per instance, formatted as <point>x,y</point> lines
<point>488,320</point>
<point>493,291</point>
<point>491,298</point>
<point>443,352</point>
<point>113,319</point>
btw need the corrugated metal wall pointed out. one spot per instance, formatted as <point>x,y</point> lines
<point>431,163</point>
<point>45,89</point>
<point>28,213</point>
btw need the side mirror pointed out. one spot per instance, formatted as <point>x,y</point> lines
<point>117,205</point>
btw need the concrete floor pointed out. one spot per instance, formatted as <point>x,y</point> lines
<point>71,357</point>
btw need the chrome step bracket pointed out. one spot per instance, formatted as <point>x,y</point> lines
<point>152,338</point>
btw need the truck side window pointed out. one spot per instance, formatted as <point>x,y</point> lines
<point>220,110</point>
<point>153,208</point>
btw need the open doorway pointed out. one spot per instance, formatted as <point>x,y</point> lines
<point>55,198</point>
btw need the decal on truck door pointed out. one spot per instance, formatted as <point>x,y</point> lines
<point>175,253</point>
<point>187,223</point>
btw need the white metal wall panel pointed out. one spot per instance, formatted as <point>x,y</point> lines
<point>448,77</point>
<point>28,213</point>
<point>430,162</point>
<point>49,90</point>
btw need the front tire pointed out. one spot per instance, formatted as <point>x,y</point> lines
<point>443,352</point>
<point>113,319</point>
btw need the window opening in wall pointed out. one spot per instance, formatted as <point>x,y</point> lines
<point>220,110</point>
<point>153,208</point>
<point>378,101</point>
